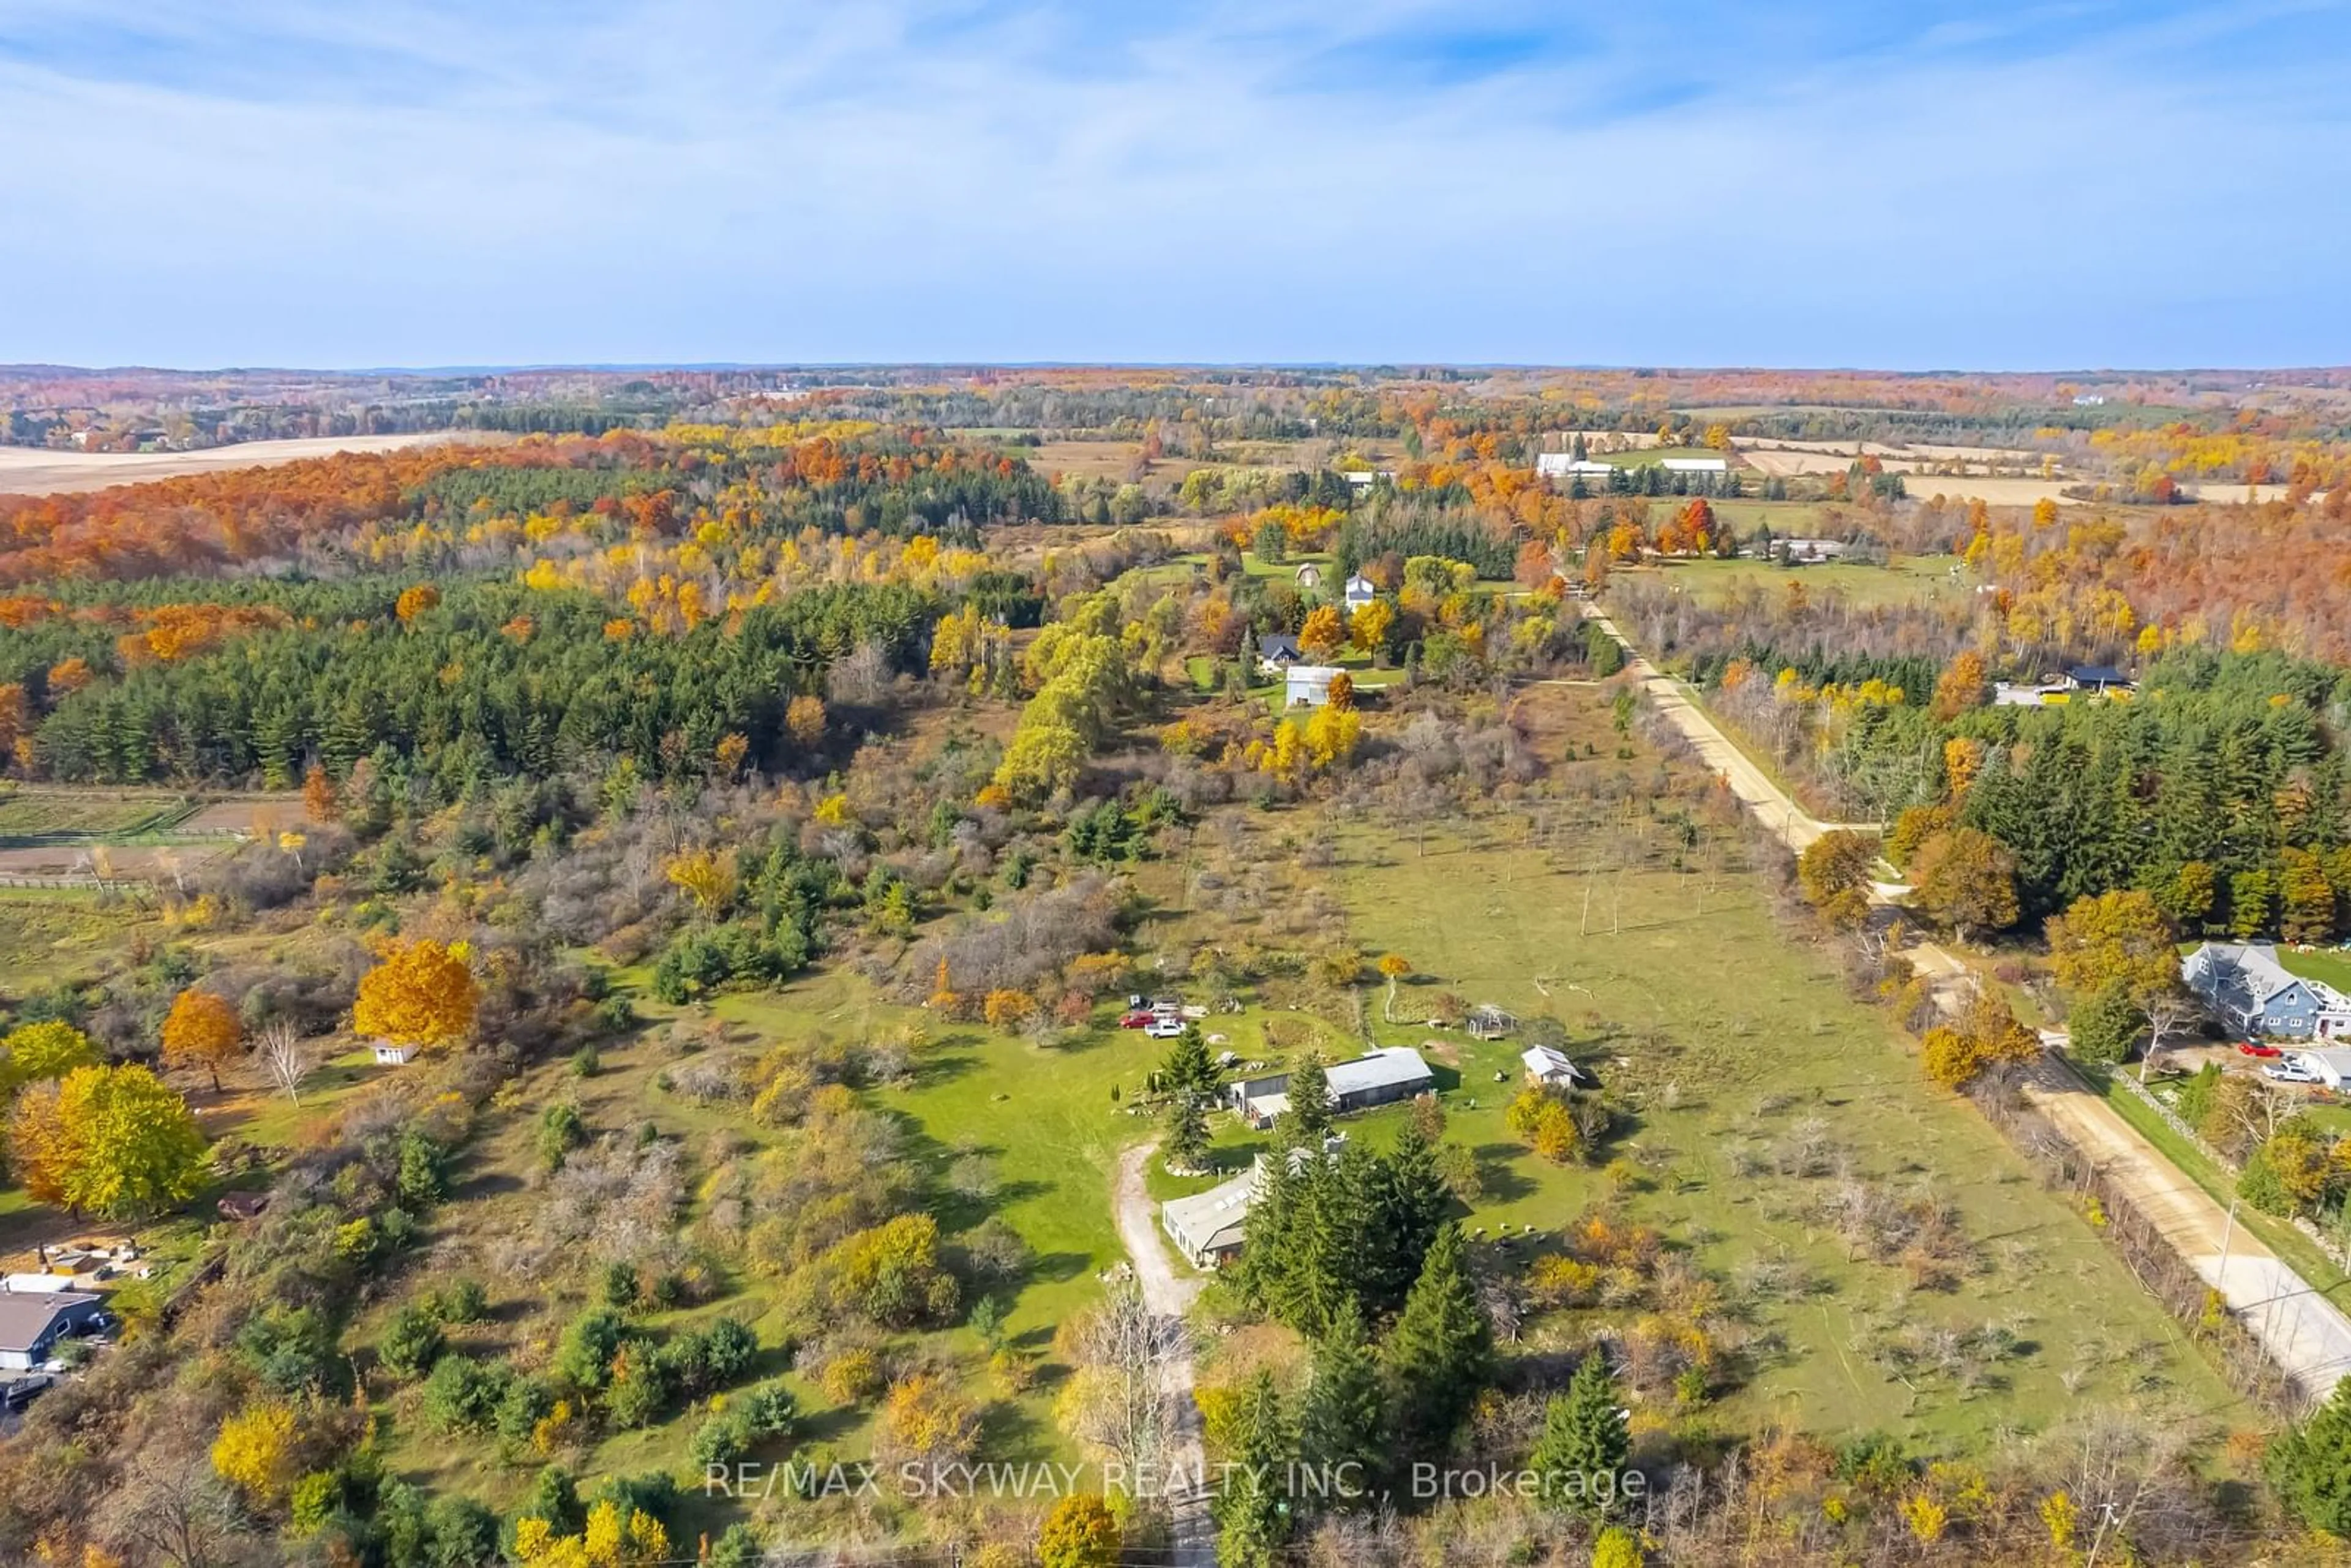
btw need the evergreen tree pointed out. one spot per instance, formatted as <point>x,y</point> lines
<point>1441,1350</point>
<point>1582,1452</point>
<point>2309,1465</point>
<point>1188,1069</point>
<point>1308,1120</point>
<point>1341,1427</point>
<point>1253,1510</point>
<point>1188,1133</point>
<point>1409,1210</point>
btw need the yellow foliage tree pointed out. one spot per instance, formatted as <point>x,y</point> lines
<point>1008,1009</point>
<point>1322,635</point>
<point>255,1451</point>
<point>708,878</point>
<point>49,1048</point>
<point>422,993</point>
<point>1369,628</point>
<point>202,1031</point>
<point>1080,1533</point>
<point>106,1140</point>
<point>414,601</point>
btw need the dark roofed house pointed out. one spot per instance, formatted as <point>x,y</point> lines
<point>2098,678</point>
<point>1278,651</point>
<point>31,1324</point>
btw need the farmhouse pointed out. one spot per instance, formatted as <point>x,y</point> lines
<point>2254,994</point>
<point>1276,652</point>
<point>1381,1077</point>
<point>1206,1227</point>
<point>31,1324</point>
<point>1308,685</point>
<point>1361,591</point>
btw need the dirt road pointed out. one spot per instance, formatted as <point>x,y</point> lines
<point>1769,803</point>
<point>1168,1294</point>
<point>2303,1331</point>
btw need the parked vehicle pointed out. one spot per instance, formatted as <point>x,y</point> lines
<point>2288,1073</point>
<point>1165,1029</point>
<point>2256,1047</point>
<point>1135,1020</point>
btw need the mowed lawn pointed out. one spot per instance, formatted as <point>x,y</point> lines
<point>1736,1046</point>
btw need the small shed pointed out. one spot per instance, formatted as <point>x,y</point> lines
<point>1361,591</point>
<point>242,1206</point>
<point>1309,575</point>
<point>387,1055</point>
<point>1551,1068</point>
<point>1487,1021</point>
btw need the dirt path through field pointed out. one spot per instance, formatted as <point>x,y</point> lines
<point>2303,1331</point>
<point>1168,1294</point>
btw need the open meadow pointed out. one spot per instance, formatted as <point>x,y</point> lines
<point>43,471</point>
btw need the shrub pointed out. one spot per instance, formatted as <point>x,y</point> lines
<point>412,1342</point>
<point>464,1396</point>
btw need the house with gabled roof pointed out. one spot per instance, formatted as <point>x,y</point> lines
<point>2249,990</point>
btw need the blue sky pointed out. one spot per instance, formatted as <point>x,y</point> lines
<point>1990,185</point>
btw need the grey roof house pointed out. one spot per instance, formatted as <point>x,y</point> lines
<point>31,1324</point>
<point>1381,1077</point>
<point>1206,1225</point>
<point>2254,993</point>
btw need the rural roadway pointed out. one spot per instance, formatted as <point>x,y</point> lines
<point>2303,1332</point>
<point>1168,1294</point>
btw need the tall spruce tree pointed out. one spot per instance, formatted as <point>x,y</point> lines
<point>1441,1351</point>
<point>1342,1427</point>
<point>1188,1133</point>
<point>1252,1511</point>
<point>1582,1452</point>
<point>1189,1069</point>
<point>1308,1120</point>
<point>1409,1211</point>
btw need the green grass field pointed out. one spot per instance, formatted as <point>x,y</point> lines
<point>1734,1043</point>
<point>2333,968</point>
<point>1909,579</point>
<point>49,814</point>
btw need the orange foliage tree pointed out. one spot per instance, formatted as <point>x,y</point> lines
<point>202,1031</point>
<point>422,993</point>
